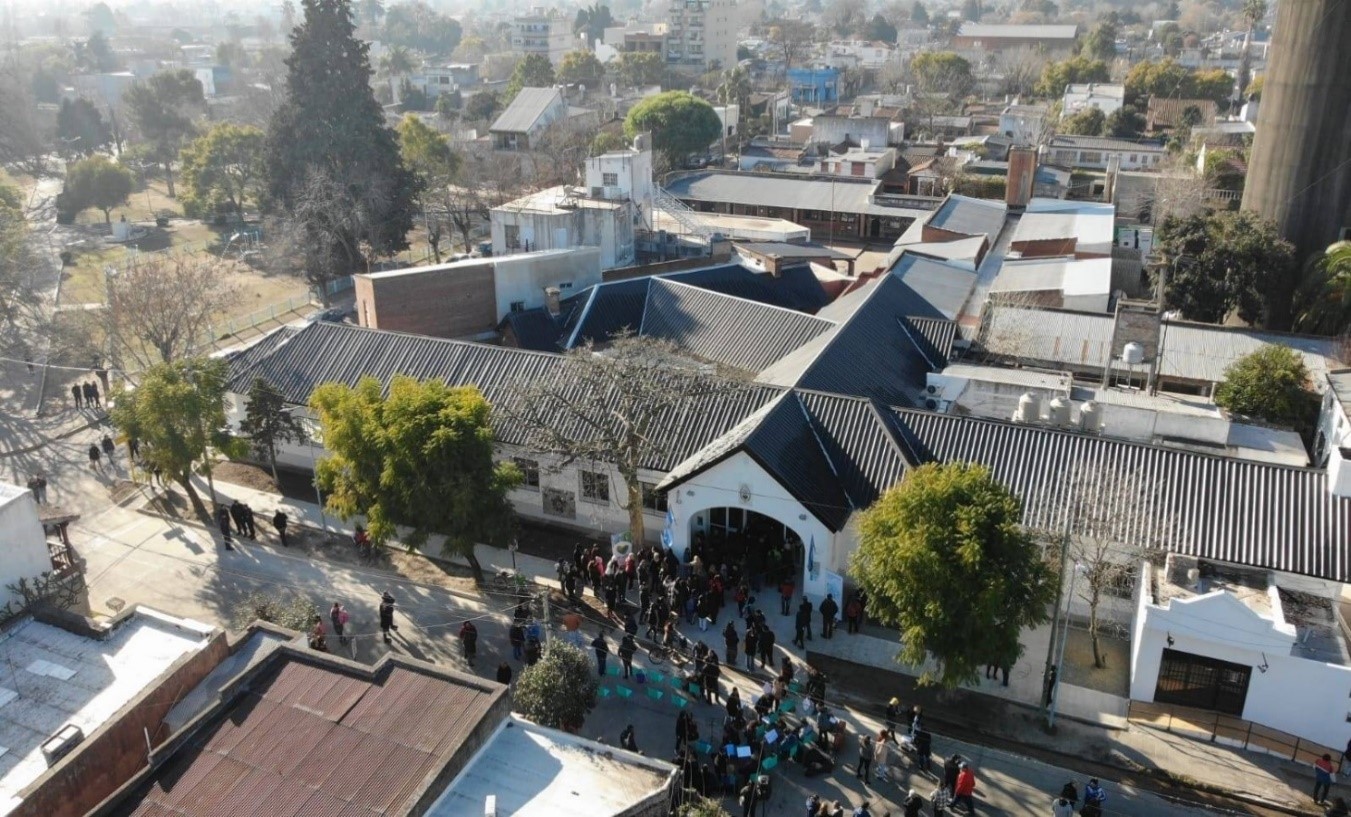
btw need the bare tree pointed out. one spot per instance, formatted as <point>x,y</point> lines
<point>612,404</point>
<point>484,182</point>
<point>557,158</point>
<point>1021,69</point>
<point>1110,520</point>
<point>792,40</point>
<point>160,307</point>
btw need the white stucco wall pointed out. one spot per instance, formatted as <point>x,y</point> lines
<point>720,486</point>
<point>524,277</point>
<point>23,545</point>
<point>1294,694</point>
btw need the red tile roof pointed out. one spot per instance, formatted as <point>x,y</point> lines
<point>312,739</point>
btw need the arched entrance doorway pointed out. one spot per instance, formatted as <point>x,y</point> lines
<point>764,549</point>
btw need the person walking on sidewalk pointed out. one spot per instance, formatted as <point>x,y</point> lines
<point>749,646</point>
<point>1062,807</point>
<point>1322,779</point>
<point>627,648</point>
<point>964,792</point>
<point>108,449</point>
<point>516,637</point>
<point>802,624</point>
<point>94,456</point>
<point>504,673</point>
<point>248,522</point>
<point>730,640</point>
<point>387,615</point>
<point>829,609</point>
<point>853,613</point>
<point>279,520</point>
<point>77,394</point>
<point>602,652</point>
<point>765,640</point>
<point>865,757</point>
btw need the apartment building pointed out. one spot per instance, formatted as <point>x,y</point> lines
<point>702,34</point>
<point>541,33</point>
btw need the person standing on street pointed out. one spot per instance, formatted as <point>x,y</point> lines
<point>865,757</point>
<point>94,457</point>
<point>387,615</point>
<point>108,448</point>
<point>504,673</point>
<point>1322,779</point>
<point>602,652</point>
<point>91,395</point>
<point>279,520</point>
<point>766,643</point>
<point>77,394</point>
<point>237,516</point>
<point>516,637</point>
<point>912,805</point>
<point>786,590</point>
<point>1062,807</point>
<point>627,741</point>
<point>627,648</point>
<point>469,641</point>
<point>223,523</point>
<point>338,617</point>
<point>829,609</point>
<point>964,792</point>
<point>1094,797</point>
<point>730,641</point>
<point>248,522</point>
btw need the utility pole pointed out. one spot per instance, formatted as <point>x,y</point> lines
<point>1060,659</point>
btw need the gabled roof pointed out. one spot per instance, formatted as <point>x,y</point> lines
<point>1104,143</point>
<point>878,353</point>
<point>526,109</point>
<point>723,328</point>
<point>943,287</point>
<point>970,216</point>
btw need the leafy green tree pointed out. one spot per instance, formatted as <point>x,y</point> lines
<point>412,98</point>
<point>735,89</point>
<point>1169,78</point>
<point>944,558</point>
<point>371,12</point>
<point>1228,262</point>
<point>428,153</point>
<point>1087,122</point>
<point>581,67</point>
<point>223,170</point>
<point>1214,84</point>
<point>177,412</point>
<point>80,128</point>
<point>482,106</point>
<point>918,13</point>
<point>1323,300</point>
<point>535,71</point>
<point>268,424</point>
<point>680,124</point>
<point>1271,384</point>
<point>607,141</point>
<point>558,690</point>
<point>416,25</point>
<point>1254,89</point>
<point>971,10</point>
<point>161,110</point>
<point>332,165</point>
<point>592,21</point>
<point>398,61</point>
<point>232,53</point>
<point>100,19</point>
<point>943,72</point>
<point>19,293</point>
<point>96,182</point>
<point>421,457</point>
<point>638,68</point>
<point>1075,70</point>
<point>1100,43</point>
<point>96,54</point>
<point>448,104</point>
<point>880,29</point>
<point>1124,123</point>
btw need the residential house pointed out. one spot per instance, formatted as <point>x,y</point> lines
<point>1098,152</point>
<point>26,556</point>
<point>1051,39</point>
<point>1164,113</point>
<point>1106,97</point>
<point>546,34</point>
<point>1024,124</point>
<point>861,162</point>
<point>862,54</point>
<point>525,120</point>
<point>814,86</point>
<point>831,129</point>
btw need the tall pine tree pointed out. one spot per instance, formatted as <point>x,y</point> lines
<point>334,172</point>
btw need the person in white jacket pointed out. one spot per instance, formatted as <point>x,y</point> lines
<point>1062,807</point>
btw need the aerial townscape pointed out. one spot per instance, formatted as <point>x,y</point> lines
<point>675,408</point>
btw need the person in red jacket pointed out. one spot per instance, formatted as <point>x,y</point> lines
<point>965,790</point>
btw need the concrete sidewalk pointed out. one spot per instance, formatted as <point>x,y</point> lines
<point>1146,757</point>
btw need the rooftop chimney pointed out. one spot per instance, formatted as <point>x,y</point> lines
<point>1022,176</point>
<point>551,301</point>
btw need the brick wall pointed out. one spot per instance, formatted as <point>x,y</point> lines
<point>1046,247</point>
<point>117,751</point>
<point>448,303</point>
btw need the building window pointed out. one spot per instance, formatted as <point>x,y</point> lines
<point>565,285</point>
<point>529,473</point>
<point>653,500</point>
<point>609,179</point>
<point>518,306</point>
<point>511,236</point>
<point>1090,157</point>
<point>595,487</point>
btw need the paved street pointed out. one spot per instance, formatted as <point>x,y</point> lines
<point>180,568</point>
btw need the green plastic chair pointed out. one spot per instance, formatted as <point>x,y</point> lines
<point>680,701</point>
<point>624,692</point>
<point>604,692</point>
<point>654,677</point>
<point>614,671</point>
<point>654,693</point>
<point>788,705</point>
<point>768,763</point>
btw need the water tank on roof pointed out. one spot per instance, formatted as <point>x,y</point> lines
<point>1133,354</point>
<point>1029,408</point>
<point>1059,413</point>
<point>1090,417</point>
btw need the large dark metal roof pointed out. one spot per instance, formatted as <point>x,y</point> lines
<point>314,739</point>
<point>723,328</point>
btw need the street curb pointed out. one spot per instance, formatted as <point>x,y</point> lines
<point>1144,779</point>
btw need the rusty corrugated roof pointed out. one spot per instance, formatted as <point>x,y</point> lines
<point>318,740</point>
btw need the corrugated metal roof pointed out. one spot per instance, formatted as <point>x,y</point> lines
<point>725,329</point>
<point>1104,143</point>
<point>1230,510</point>
<point>1188,351</point>
<point>969,216</point>
<point>311,739</point>
<point>942,287</point>
<point>526,109</point>
<point>797,191</point>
